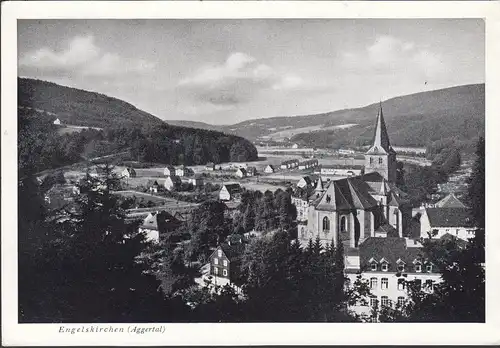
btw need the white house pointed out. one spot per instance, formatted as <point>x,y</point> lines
<point>210,166</point>
<point>57,122</point>
<point>295,146</point>
<point>269,169</point>
<point>172,182</point>
<point>290,164</point>
<point>156,223</point>
<point>251,171</point>
<point>305,181</point>
<point>241,173</point>
<point>169,170</point>
<point>387,264</point>
<point>128,173</point>
<point>229,192</point>
<point>341,170</point>
<point>440,221</point>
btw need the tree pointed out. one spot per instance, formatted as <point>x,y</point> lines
<point>86,269</point>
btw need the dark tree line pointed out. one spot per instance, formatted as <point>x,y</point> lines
<point>42,147</point>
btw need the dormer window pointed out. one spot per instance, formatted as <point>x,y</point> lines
<point>374,266</point>
<point>401,265</point>
<point>428,267</point>
<point>418,267</point>
<point>219,253</point>
<point>384,265</point>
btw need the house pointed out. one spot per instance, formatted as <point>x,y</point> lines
<point>183,171</point>
<point>153,186</point>
<point>129,173</point>
<point>341,170</point>
<point>387,264</point>
<point>302,199</point>
<point>229,192</point>
<point>306,181</point>
<point>241,173</point>
<point>251,171</point>
<point>312,163</point>
<point>440,221</point>
<point>295,146</point>
<point>197,180</point>
<point>450,201</point>
<point>225,261</point>
<point>57,122</point>
<point>157,224</point>
<point>210,166</point>
<point>290,164</point>
<point>169,170</point>
<point>173,182</point>
<point>269,169</point>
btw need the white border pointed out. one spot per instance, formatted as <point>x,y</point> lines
<point>245,334</point>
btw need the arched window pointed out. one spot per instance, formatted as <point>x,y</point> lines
<point>380,160</point>
<point>303,232</point>
<point>342,224</point>
<point>326,224</point>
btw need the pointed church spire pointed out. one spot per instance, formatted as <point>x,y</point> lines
<point>381,141</point>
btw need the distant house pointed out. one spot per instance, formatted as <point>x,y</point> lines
<point>251,171</point>
<point>306,181</point>
<point>57,122</point>
<point>210,166</point>
<point>169,170</point>
<point>440,221</point>
<point>196,181</point>
<point>225,261</point>
<point>241,173</point>
<point>312,163</point>
<point>290,164</point>
<point>157,224</point>
<point>153,186</point>
<point>172,182</point>
<point>341,170</point>
<point>229,192</point>
<point>269,169</point>
<point>183,171</point>
<point>129,173</point>
<point>295,146</point>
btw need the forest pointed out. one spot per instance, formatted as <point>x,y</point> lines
<point>42,147</point>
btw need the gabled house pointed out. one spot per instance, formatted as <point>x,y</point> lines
<point>172,182</point>
<point>251,171</point>
<point>269,169</point>
<point>440,221</point>
<point>169,170</point>
<point>57,122</point>
<point>241,173</point>
<point>157,224</point>
<point>153,186</point>
<point>225,261</point>
<point>183,171</point>
<point>229,192</point>
<point>129,173</point>
<point>210,166</point>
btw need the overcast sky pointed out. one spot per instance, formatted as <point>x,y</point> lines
<point>226,71</point>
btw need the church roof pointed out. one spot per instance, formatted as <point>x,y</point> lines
<point>381,144</point>
<point>450,201</point>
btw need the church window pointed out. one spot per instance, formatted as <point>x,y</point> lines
<point>328,198</point>
<point>302,232</point>
<point>326,224</point>
<point>380,160</point>
<point>343,224</point>
<point>371,160</point>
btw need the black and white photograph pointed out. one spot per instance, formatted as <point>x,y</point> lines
<point>248,170</point>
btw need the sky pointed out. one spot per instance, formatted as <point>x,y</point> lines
<point>227,71</point>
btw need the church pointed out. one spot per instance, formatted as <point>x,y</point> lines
<point>355,208</point>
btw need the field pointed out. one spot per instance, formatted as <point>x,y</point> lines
<point>165,202</point>
<point>288,133</point>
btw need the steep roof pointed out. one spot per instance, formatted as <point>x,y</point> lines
<point>450,201</point>
<point>381,143</point>
<point>233,188</point>
<point>449,217</point>
<point>155,220</point>
<point>391,249</point>
<point>347,194</point>
<point>233,252</point>
<point>389,229</point>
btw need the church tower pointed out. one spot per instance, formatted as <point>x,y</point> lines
<point>381,157</point>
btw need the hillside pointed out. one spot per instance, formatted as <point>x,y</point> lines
<point>412,120</point>
<point>78,107</point>
<point>125,129</point>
